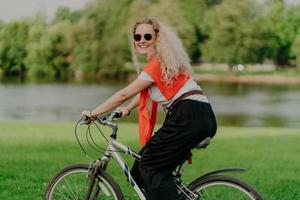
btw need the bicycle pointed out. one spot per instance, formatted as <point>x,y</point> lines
<point>92,182</point>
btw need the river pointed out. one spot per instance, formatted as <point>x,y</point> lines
<point>254,105</point>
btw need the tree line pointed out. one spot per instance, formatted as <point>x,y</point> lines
<point>94,39</point>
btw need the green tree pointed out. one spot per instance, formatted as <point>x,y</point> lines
<point>296,50</point>
<point>64,13</point>
<point>13,39</point>
<point>95,39</point>
<point>37,51</point>
<point>281,24</point>
<point>85,55</point>
<point>194,11</point>
<point>233,32</point>
<point>113,20</point>
<point>49,49</point>
<point>294,27</point>
<point>110,39</point>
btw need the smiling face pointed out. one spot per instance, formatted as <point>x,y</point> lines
<point>144,39</point>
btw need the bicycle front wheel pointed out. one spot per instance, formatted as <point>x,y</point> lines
<point>222,187</point>
<point>71,184</point>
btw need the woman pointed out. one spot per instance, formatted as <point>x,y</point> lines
<point>167,79</point>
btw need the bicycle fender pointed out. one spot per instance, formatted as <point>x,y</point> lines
<point>221,171</point>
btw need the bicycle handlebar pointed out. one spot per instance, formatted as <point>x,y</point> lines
<point>115,114</point>
<point>104,119</point>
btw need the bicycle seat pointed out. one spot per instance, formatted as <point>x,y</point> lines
<point>203,144</point>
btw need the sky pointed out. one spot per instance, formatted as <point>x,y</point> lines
<point>11,10</point>
<point>15,9</point>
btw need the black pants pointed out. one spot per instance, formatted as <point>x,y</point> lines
<point>186,124</point>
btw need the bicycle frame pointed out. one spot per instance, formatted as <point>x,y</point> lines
<point>100,183</point>
<point>113,150</point>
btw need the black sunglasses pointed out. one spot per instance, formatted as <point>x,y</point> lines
<point>138,37</point>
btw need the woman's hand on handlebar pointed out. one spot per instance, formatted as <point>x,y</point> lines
<point>124,111</point>
<point>87,115</point>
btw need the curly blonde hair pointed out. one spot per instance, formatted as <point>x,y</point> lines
<point>168,50</point>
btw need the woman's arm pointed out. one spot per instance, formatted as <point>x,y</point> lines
<point>134,103</point>
<point>120,97</point>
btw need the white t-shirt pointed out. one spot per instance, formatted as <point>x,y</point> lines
<point>157,96</point>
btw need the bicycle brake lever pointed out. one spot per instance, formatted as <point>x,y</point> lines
<point>82,122</point>
<point>85,121</point>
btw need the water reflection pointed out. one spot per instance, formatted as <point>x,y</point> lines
<point>256,105</point>
<point>234,104</point>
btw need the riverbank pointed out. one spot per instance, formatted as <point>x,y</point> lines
<point>31,153</point>
<point>211,74</point>
<point>253,74</point>
<point>274,77</point>
<point>238,78</point>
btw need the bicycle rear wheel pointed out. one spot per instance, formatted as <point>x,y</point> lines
<point>222,187</point>
<point>71,184</point>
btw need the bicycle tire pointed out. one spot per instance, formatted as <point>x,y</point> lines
<point>232,188</point>
<point>78,173</point>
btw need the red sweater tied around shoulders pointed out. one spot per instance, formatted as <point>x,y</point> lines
<point>146,121</point>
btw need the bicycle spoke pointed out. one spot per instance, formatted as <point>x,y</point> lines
<point>61,195</point>
<point>222,187</point>
<point>72,185</point>
<point>69,188</point>
<point>76,187</point>
<point>209,198</point>
<point>66,195</point>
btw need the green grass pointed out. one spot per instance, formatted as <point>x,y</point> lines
<point>31,153</point>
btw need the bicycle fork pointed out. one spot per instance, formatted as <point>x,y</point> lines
<point>93,188</point>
